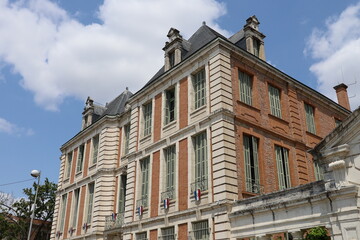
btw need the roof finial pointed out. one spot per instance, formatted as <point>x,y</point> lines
<point>204,23</point>
<point>127,88</point>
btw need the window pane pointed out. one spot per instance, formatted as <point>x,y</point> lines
<point>170,106</point>
<point>147,118</point>
<point>168,233</point>
<point>199,89</point>
<point>63,210</point>
<point>95,143</point>
<point>310,123</point>
<point>201,230</point>
<point>245,88</point>
<point>90,202</point>
<point>144,166</point>
<point>200,149</point>
<point>126,138</point>
<point>250,146</point>
<point>170,167</point>
<point>80,160</point>
<point>76,208</point>
<point>282,167</point>
<point>68,165</point>
<point>275,105</point>
<point>122,193</point>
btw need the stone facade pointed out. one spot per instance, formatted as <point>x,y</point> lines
<point>170,162</point>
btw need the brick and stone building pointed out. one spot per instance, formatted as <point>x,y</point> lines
<point>214,127</point>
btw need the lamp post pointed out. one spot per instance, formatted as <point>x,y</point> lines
<point>35,174</point>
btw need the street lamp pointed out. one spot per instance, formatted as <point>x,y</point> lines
<point>35,174</point>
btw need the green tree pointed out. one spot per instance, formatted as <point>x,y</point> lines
<point>15,217</point>
<point>317,233</point>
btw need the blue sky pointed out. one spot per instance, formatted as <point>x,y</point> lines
<point>53,54</point>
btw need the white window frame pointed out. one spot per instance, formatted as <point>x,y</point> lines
<point>201,230</point>
<point>75,212</point>
<point>310,118</point>
<point>200,147</point>
<point>144,183</point>
<point>251,161</point>
<point>170,110</point>
<point>147,118</point>
<point>122,194</point>
<point>90,202</point>
<point>95,148</point>
<point>69,160</point>
<point>245,87</point>
<point>80,158</point>
<point>275,101</point>
<point>62,214</point>
<point>199,88</point>
<point>283,170</point>
<point>126,138</point>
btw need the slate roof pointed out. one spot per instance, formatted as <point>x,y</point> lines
<point>117,106</point>
<point>199,39</point>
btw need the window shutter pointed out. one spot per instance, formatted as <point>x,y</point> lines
<point>280,168</point>
<point>247,163</point>
<point>256,160</point>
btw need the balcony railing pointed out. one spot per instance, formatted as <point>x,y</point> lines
<point>200,184</point>
<point>254,187</point>
<point>115,220</point>
<point>142,202</point>
<point>170,194</point>
<point>203,234</point>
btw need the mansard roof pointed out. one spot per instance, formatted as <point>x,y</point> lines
<point>117,106</point>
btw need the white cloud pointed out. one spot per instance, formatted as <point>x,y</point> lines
<point>58,57</point>
<point>337,52</point>
<point>13,129</point>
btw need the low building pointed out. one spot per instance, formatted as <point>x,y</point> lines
<point>215,125</point>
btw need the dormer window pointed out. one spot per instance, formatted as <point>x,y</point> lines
<point>172,59</point>
<point>256,47</point>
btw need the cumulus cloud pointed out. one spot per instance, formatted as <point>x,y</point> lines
<point>336,50</point>
<point>59,57</point>
<point>13,129</point>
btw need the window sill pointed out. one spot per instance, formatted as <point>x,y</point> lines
<point>278,119</point>
<point>198,110</point>
<point>169,125</point>
<point>78,174</point>
<point>313,135</point>
<point>145,138</point>
<point>247,106</point>
<point>92,167</point>
<point>66,180</point>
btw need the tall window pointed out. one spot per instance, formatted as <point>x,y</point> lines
<point>250,146</point>
<point>68,165</point>
<point>76,208</point>
<point>141,236</point>
<point>199,85</point>
<point>126,138</point>
<point>122,194</point>
<point>319,171</point>
<point>245,83</point>
<point>62,213</point>
<point>95,147</point>
<point>80,160</point>
<point>144,166</point>
<point>201,230</point>
<point>147,110</point>
<point>168,233</point>
<point>170,154</point>
<point>275,105</point>
<point>201,161</point>
<point>170,105</point>
<point>90,202</point>
<point>310,123</point>
<point>282,163</point>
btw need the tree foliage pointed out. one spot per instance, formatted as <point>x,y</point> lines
<point>15,214</point>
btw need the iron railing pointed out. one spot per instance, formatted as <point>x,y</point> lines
<point>200,184</point>
<point>170,194</point>
<point>254,187</point>
<point>115,220</point>
<point>142,202</point>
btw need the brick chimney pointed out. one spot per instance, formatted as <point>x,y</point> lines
<point>342,95</point>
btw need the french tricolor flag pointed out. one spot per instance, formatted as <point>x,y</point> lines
<point>140,210</point>
<point>166,203</point>
<point>197,194</point>
<point>113,216</point>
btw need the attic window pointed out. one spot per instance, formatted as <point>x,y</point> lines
<point>172,58</point>
<point>256,47</point>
